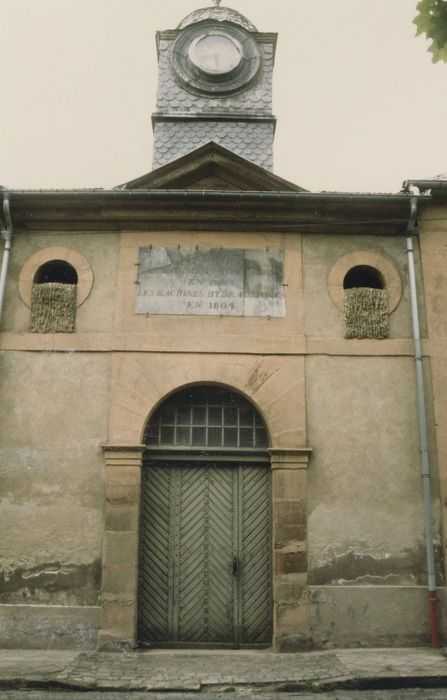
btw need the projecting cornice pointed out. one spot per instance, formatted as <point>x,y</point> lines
<point>165,210</point>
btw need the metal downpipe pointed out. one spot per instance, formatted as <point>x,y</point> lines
<point>6,234</point>
<point>422,420</point>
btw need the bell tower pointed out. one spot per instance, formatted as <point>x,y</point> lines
<point>215,84</point>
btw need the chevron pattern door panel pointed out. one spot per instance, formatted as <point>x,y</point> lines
<point>256,555</point>
<point>203,582</point>
<point>205,555</point>
<point>220,583</point>
<point>190,555</point>
<point>155,575</point>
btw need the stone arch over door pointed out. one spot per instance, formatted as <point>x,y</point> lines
<point>275,386</point>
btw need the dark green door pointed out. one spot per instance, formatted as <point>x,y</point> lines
<point>205,566</point>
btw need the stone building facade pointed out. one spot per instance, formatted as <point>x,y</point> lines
<point>220,446</point>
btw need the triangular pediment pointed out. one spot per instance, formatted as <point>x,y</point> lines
<point>212,167</point>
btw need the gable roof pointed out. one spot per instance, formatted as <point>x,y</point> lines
<point>211,167</point>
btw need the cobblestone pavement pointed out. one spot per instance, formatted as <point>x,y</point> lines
<point>165,670</point>
<point>417,694</point>
<point>182,670</point>
<point>236,671</point>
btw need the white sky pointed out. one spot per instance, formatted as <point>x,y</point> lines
<point>360,106</point>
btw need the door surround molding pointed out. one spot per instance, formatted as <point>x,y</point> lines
<point>275,385</point>
<point>291,618</point>
<point>119,587</point>
<point>119,594</point>
<point>289,458</point>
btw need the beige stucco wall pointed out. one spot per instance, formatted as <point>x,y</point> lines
<point>433,238</point>
<point>101,252</point>
<point>365,516</point>
<point>353,402</point>
<point>321,252</point>
<point>365,496</point>
<point>53,415</point>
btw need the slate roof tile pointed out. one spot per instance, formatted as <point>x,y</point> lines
<point>253,141</point>
<point>218,14</point>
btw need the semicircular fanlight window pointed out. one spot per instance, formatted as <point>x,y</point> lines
<point>207,417</point>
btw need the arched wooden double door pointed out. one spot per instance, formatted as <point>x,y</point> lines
<point>205,555</point>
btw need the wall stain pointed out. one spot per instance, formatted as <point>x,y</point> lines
<point>353,567</point>
<point>54,583</point>
<point>258,377</point>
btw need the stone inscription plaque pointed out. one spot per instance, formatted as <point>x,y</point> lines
<point>210,282</point>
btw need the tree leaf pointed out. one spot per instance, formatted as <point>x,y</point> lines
<point>431,20</point>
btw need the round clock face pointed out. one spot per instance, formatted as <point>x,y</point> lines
<point>212,60</point>
<point>215,54</point>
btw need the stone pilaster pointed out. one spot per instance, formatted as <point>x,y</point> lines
<point>120,551</point>
<point>291,626</point>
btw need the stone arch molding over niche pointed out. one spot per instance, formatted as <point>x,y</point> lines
<point>275,386</point>
<point>72,257</point>
<point>391,278</point>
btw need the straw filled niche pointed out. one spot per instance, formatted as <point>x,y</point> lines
<point>367,288</point>
<point>53,298</point>
<point>366,303</point>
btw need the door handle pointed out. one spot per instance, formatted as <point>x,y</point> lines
<point>235,566</point>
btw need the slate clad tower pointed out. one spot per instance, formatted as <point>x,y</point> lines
<point>215,84</point>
